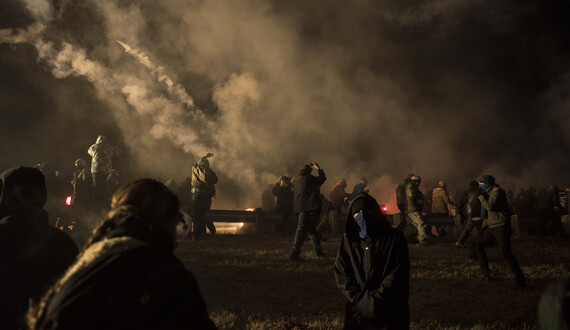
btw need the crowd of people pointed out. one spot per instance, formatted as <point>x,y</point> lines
<point>126,275</point>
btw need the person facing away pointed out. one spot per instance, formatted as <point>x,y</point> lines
<point>372,269</point>
<point>203,181</point>
<point>336,199</point>
<point>82,185</point>
<point>359,188</point>
<point>102,154</point>
<point>549,209</point>
<point>33,253</point>
<point>471,210</point>
<point>495,211</point>
<point>401,193</point>
<point>414,201</point>
<point>283,192</point>
<point>307,205</point>
<point>440,199</point>
<point>127,277</point>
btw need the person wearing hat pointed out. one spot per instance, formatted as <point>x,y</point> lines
<point>359,188</point>
<point>495,211</point>
<point>372,269</point>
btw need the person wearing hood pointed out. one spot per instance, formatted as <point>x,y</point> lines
<point>372,269</point>
<point>102,154</point>
<point>127,277</point>
<point>203,181</point>
<point>307,205</point>
<point>33,253</point>
<point>495,211</point>
<point>337,197</point>
<point>471,209</point>
<point>359,188</point>
<point>283,192</point>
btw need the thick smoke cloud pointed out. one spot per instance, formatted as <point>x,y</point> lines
<point>443,89</point>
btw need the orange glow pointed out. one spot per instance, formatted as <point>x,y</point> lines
<point>251,209</point>
<point>68,200</point>
<point>241,224</point>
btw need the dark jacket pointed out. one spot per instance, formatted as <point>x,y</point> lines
<point>470,204</point>
<point>33,254</point>
<point>306,189</point>
<point>127,282</point>
<point>374,273</point>
<point>284,196</point>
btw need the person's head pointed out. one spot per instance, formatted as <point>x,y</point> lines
<point>305,170</point>
<point>373,217</point>
<point>473,185</point>
<point>442,184</point>
<point>101,139</point>
<point>416,180</point>
<point>204,162</point>
<point>364,181</point>
<point>22,190</point>
<point>284,180</point>
<point>80,164</point>
<point>145,207</point>
<point>553,188</point>
<point>342,183</point>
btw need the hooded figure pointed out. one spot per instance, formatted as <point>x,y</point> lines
<point>203,181</point>
<point>127,277</point>
<point>102,154</point>
<point>33,254</point>
<point>372,269</point>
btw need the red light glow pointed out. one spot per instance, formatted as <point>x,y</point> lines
<point>68,200</point>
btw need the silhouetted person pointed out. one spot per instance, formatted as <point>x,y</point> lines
<point>283,191</point>
<point>307,204</point>
<point>112,184</point>
<point>413,207</point>
<point>495,211</point>
<point>203,181</point>
<point>471,209</point>
<point>372,269</point>
<point>267,199</point>
<point>33,253</point>
<point>359,188</point>
<point>127,277</point>
<point>549,209</point>
<point>401,193</point>
<point>102,154</point>
<point>337,197</point>
<point>440,202</point>
<point>82,185</point>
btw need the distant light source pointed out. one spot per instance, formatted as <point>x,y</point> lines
<point>241,224</point>
<point>384,209</point>
<point>251,209</point>
<point>68,200</point>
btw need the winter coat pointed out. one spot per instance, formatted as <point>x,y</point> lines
<point>440,200</point>
<point>414,198</point>
<point>126,282</point>
<point>284,196</point>
<point>497,207</point>
<point>102,156</point>
<point>374,273</point>
<point>472,205</point>
<point>306,188</point>
<point>33,253</point>
<point>337,195</point>
<point>203,178</point>
<point>357,190</point>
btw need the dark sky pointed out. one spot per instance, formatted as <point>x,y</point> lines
<point>444,89</point>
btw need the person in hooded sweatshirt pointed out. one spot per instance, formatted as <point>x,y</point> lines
<point>372,269</point>
<point>495,211</point>
<point>203,189</point>
<point>128,277</point>
<point>33,253</point>
<point>307,205</point>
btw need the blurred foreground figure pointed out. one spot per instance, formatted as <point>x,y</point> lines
<point>308,209</point>
<point>554,306</point>
<point>33,254</point>
<point>102,154</point>
<point>495,211</point>
<point>203,181</point>
<point>372,269</point>
<point>127,277</point>
<point>283,191</point>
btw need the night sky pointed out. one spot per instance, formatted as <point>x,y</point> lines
<point>443,89</point>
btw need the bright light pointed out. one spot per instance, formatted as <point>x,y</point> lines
<point>384,209</point>
<point>241,224</point>
<point>251,209</point>
<point>68,200</point>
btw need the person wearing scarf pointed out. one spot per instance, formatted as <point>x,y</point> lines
<point>372,269</point>
<point>495,211</point>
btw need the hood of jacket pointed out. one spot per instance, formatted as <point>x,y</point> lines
<point>376,223</point>
<point>305,171</point>
<point>22,192</point>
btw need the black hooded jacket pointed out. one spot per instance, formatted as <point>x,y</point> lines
<point>306,189</point>
<point>33,254</point>
<point>128,280</point>
<point>374,273</point>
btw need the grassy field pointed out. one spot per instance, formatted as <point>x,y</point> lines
<point>248,283</point>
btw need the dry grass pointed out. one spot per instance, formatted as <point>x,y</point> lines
<point>248,283</point>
